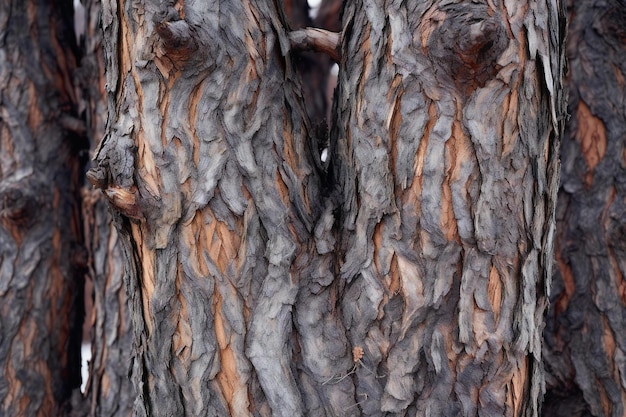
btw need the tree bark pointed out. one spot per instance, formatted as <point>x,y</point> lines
<point>446,152</point>
<point>414,282</point>
<point>586,334</point>
<point>207,160</point>
<point>42,258</point>
<point>109,391</point>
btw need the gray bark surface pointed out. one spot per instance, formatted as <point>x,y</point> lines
<point>585,337</point>
<point>42,260</point>
<point>206,158</point>
<point>414,283</point>
<point>446,152</point>
<point>109,391</point>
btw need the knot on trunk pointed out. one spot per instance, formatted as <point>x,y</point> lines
<point>467,43</point>
<point>177,38</point>
<point>124,199</point>
<point>18,202</point>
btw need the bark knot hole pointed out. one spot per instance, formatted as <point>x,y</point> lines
<point>467,45</point>
<point>177,38</point>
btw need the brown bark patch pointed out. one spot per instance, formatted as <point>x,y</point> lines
<point>147,274</point>
<point>124,200</point>
<point>619,278</point>
<point>194,100</point>
<point>592,137</point>
<point>432,20</point>
<point>607,406</point>
<point>177,39</point>
<point>227,376</point>
<point>619,76</point>
<point>456,154</point>
<point>281,187</point>
<point>393,283</point>
<point>394,117</point>
<point>182,339</point>
<point>448,221</point>
<point>222,244</point>
<point>510,112</point>
<point>377,238</point>
<point>193,238</point>
<point>105,384</point>
<point>35,118</point>
<point>367,64</point>
<point>517,387</point>
<point>494,292</point>
<point>608,340</point>
<point>569,284</point>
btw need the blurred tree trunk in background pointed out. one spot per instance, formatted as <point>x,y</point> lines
<point>42,258</point>
<point>585,337</point>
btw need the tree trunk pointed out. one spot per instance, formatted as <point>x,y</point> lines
<point>42,259</point>
<point>206,160</point>
<point>412,280</point>
<point>447,157</point>
<point>586,332</point>
<point>109,391</point>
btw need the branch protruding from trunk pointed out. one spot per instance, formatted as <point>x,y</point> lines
<point>319,40</point>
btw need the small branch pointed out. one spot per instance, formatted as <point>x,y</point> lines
<point>124,200</point>
<point>318,40</point>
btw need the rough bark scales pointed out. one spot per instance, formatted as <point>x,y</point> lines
<point>109,391</point>
<point>207,161</point>
<point>42,261</point>
<point>445,221</point>
<point>586,333</point>
<point>446,148</point>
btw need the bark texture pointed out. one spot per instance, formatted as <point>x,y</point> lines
<point>446,150</point>
<point>422,292</point>
<point>109,391</point>
<point>207,162</point>
<point>586,333</point>
<point>42,260</point>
